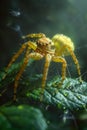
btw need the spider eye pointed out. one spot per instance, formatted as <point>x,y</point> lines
<point>50,42</point>
<point>52,47</point>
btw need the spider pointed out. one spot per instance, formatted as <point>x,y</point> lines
<point>40,46</point>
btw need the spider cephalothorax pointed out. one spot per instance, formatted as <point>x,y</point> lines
<point>45,46</point>
<point>52,49</point>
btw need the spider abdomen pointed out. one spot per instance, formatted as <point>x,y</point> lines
<point>62,43</point>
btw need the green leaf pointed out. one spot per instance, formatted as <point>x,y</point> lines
<point>4,123</point>
<point>71,95</point>
<point>21,117</point>
<point>11,73</point>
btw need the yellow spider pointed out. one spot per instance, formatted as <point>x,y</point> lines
<point>52,49</point>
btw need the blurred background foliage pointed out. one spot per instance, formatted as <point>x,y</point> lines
<point>18,17</point>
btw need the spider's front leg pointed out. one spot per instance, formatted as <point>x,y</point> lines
<point>34,35</point>
<point>14,58</point>
<point>35,56</point>
<point>45,72</point>
<point>64,64</point>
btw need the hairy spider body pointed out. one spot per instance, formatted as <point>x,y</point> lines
<point>61,43</point>
<point>52,49</point>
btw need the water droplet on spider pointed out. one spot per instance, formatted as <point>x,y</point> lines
<point>15,13</point>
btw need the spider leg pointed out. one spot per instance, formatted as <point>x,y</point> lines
<point>15,57</point>
<point>45,72</point>
<point>76,63</point>
<point>34,35</point>
<point>64,64</point>
<point>35,56</point>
